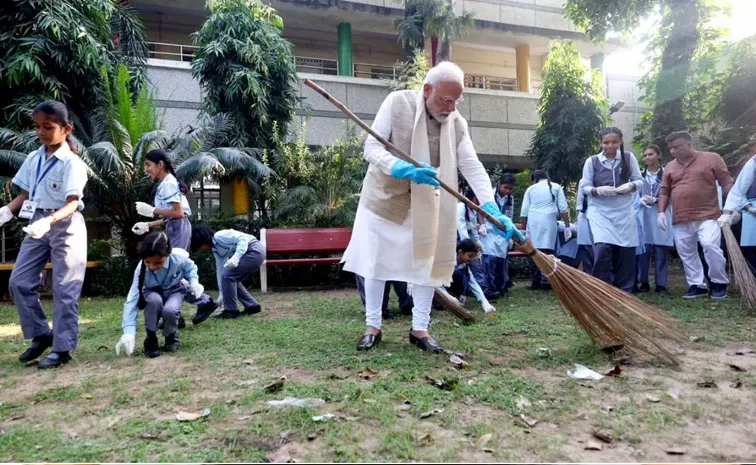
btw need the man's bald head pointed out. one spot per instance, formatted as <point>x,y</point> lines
<point>443,89</point>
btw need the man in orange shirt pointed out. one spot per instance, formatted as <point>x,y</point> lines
<point>690,182</point>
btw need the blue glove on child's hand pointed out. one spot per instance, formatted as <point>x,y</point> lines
<point>492,209</point>
<point>425,175</point>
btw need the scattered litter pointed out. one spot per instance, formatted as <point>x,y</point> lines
<point>582,372</point>
<point>675,451</point>
<point>367,373</point>
<point>187,416</point>
<point>616,371</point>
<point>405,406</point>
<point>544,352</point>
<point>593,445</point>
<point>482,441</point>
<point>737,368</point>
<point>296,402</point>
<point>706,384</point>
<point>441,383</point>
<point>425,440</point>
<point>458,361</point>
<point>674,393</point>
<point>17,417</point>
<point>697,338</point>
<point>248,361</point>
<point>323,418</point>
<point>244,418</point>
<point>607,408</point>
<point>604,435</point>
<point>286,454</point>
<point>653,399</point>
<point>737,384</point>
<point>529,421</point>
<point>431,413</point>
<point>275,386</point>
<point>369,401</point>
<point>523,403</point>
<point>152,436</point>
<point>248,383</point>
<point>72,435</point>
<point>346,418</point>
<point>311,436</point>
<point>87,396</point>
<point>744,352</point>
<point>488,450</point>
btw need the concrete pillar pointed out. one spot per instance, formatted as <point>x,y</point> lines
<point>523,67</point>
<point>241,197</point>
<point>597,61</point>
<point>345,49</point>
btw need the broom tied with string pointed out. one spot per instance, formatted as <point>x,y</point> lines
<point>741,269</point>
<point>610,316</point>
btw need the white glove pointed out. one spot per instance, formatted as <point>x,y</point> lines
<point>606,191</point>
<point>726,219</point>
<point>232,262</point>
<point>39,228</point>
<point>125,344</point>
<point>145,209</point>
<point>736,216</point>
<point>510,245</point>
<point>567,234</point>
<point>5,215</point>
<point>462,299</point>
<point>626,188</point>
<point>661,221</point>
<point>482,230</point>
<point>197,289</point>
<point>140,229</point>
<point>488,308</point>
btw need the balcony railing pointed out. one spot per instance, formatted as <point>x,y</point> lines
<point>330,67</point>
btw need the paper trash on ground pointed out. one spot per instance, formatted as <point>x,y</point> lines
<point>295,402</point>
<point>582,372</point>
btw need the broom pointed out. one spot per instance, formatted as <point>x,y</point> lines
<point>609,316</point>
<point>741,270</point>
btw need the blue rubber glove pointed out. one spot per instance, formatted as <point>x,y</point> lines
<point>403,170</point>
<point>492,209</point>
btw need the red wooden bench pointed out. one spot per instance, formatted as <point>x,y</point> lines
<point>301,241</point>
<point>309,241</point>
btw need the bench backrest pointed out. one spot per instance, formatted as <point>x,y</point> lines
<point>326,240</point>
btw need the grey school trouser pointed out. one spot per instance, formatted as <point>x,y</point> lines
<point>165,302</point>
<point>232,287</point>
<point>65,245</point>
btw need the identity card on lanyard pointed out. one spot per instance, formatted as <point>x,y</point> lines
<point>30,206</point>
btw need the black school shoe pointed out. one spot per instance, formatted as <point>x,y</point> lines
<point>171,342</point>
<point>151,345</point>
<point>54,360</point>
<point>38,347</point>
<point>252,310</point>
<point>662,290</point>
<point>645,288</point>
<point>695,292</point>
<point>181,323</point>
<point>228,315</point>
<point>203,312</point>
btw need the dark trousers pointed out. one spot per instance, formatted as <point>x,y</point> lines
<point>615,265</point>
<point>496,278</point>
<point>405,300</point>
<point>660,265</point>
<point>478,269</point>
<point>750,255</point>
<point>585,256</point>
<point>459,285</point>
<point>536,278</point>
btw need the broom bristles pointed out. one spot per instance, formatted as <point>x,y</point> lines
<point>741,270</point>
<point>452,305</point>
<point>609,315</point>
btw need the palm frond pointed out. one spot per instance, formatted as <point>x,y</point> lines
<point>11,160</point>
<point>106,158</point>
<point>158,139</point>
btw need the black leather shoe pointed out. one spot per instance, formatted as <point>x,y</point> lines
<point>228,315</point>
<point>252,310</point>
<point>387,315</point>
<point>428,344</point>
<point>203,312</point>
<point>181,323</point>
<point>171,342</point>
<point>38,347</point>
<point>151,345</point>
<point>54,360</point>
<point>368,341</point>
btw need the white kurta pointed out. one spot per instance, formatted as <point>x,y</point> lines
<point>383,250</point>
<point>542,211</point>
<point>738,199</point>
<point>612,219</point>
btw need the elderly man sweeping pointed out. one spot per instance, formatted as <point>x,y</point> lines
<point>405,227</point>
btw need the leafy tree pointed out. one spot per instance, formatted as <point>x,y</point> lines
<point>435,18</point>
<point>572,113</point>
<point>598,17</point>
<point>411,73</point>
<point>55,49</point>
<point>246,70</point>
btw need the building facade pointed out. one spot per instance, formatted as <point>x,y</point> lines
<point>351,49</point>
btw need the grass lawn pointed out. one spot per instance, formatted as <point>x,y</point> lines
<point>100,408</point>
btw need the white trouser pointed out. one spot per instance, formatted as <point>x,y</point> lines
<point>687,237</point>
<point>422,296</point>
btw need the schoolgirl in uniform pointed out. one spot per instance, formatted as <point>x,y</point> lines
<point>236,255</point>
<point>656,240</point>
<point>609,180</point>
<point>542,206</point>
<point>159,288</point>
<point>468,227</point>
<point>52,181</point>
<point>506,202</point>
<point>495,250</point>
<point>742,198</point>
<point>584,236</point>
<point>172,205</point>
<point>462,278</point>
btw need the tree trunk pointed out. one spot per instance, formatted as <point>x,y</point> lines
<point>444,51</point>
<point>434,51</point>
<point>671,84</point>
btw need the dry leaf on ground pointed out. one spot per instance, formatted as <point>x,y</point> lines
<point>593,445</point>
<point>616,371</point>
<point>276,386</point>
<point>188,416</point>
<point>604,435</point>
<point>675,451</point>
<point>482,441</point>
<point>652,398</point>
<point>523,403</point>
<point>737,368</point>
<point>529,421</point>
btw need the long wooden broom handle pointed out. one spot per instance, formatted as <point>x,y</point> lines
<point>404,156</point>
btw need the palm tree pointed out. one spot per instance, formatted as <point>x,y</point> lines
<point>435,18</point>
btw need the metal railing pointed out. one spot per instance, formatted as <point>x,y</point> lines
<point>317,65</point>
<point>177,52</point>
<point>371,71</point>
<point>474,81</point>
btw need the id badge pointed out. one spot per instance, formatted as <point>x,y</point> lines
<point>27,210</point>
